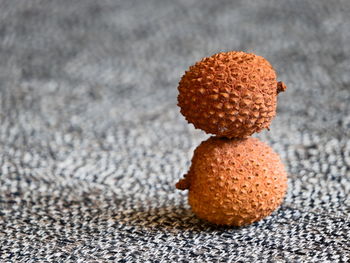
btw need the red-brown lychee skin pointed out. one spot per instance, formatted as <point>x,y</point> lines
<point>232,94</point>
<point>234,182</point>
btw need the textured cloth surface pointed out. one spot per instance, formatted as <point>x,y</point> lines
<point>92,141</point>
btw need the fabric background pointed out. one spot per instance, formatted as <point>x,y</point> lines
<point>92,141</point>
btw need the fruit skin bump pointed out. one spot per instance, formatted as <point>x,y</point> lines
<point>230,94</point>
<point>234,181</point>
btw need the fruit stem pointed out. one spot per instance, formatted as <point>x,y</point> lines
<point>281,87</point>
<point>183,184</point>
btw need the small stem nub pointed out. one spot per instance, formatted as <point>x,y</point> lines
<point>183,184</point>
<point>281,87</point>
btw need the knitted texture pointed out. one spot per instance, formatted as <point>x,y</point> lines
<point>230,94</point>
<point>92,142</point>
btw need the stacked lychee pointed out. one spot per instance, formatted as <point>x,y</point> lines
<point>234,179</point>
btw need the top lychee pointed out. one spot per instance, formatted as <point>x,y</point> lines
<point>230,94</point>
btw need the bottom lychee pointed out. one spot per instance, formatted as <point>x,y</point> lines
<point>234,181</point>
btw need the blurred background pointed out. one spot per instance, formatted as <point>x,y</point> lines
<point>92,142</point>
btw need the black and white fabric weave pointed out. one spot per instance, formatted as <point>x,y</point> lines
<point>92,142</point>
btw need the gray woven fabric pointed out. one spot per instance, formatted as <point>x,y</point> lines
<point>92,141</point>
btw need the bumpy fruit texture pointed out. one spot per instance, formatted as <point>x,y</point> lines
<point>234,182</point>
<point>230,94</point>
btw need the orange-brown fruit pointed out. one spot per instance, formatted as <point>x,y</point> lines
<point>230,94</point>
<point>234,181</point>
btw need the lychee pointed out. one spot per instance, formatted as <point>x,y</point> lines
<point>230,94</point>
<point>234,181</point>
